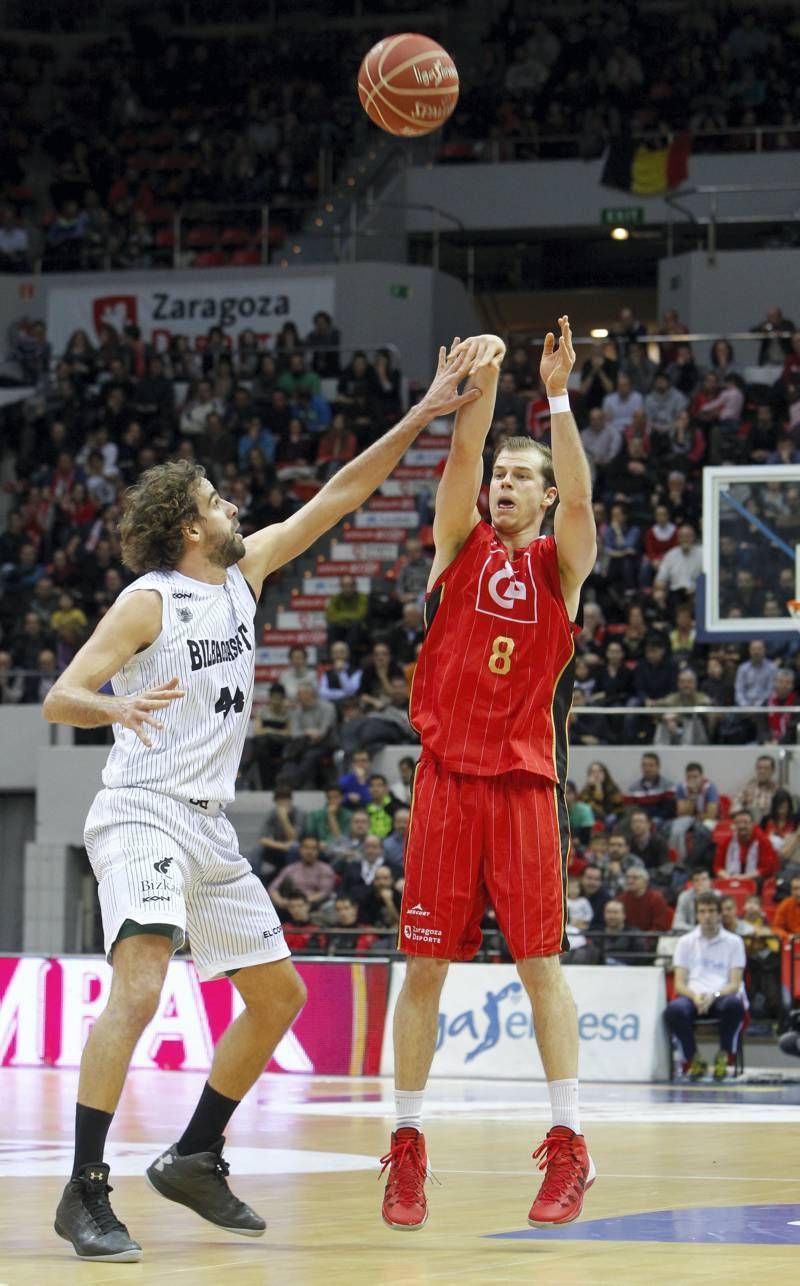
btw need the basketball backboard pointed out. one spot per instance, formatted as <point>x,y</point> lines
<point>751,538</point>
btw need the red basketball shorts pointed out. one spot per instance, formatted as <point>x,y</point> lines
<point>478,841</point>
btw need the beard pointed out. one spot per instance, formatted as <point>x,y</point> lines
<point>227,550</point>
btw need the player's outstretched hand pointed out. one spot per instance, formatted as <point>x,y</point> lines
<point>443,397</point>
<point>485,350</point>
<point>557,363</point>
<point>136,712</point>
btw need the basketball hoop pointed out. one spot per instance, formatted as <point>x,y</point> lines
<point>793,604</point>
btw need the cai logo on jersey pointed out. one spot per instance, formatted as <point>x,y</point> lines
<point>504,592</point>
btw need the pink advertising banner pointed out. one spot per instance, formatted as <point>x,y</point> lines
<point>48,1006</point>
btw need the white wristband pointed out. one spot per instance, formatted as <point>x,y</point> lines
<point>559,403</point>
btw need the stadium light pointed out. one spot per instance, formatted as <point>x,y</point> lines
<point>620,234</point>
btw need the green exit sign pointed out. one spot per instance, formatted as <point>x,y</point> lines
<point>399,290</point>
<point>622,215</point>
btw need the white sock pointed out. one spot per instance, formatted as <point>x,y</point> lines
<point>564,1104</point>
<point>408,1106</point>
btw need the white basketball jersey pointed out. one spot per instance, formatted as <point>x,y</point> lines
<point>206,641</point>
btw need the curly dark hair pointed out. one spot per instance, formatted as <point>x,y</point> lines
<point>155,511</point>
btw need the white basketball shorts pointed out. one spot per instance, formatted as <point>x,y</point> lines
<point>160,860</point>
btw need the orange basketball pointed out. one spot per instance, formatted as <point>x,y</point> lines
<point>408,84</point>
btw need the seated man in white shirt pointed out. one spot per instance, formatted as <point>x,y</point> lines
<point>709,967</point>
<point>681,565</point>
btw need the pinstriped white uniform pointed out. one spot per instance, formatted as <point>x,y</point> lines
<point>197,755</point>
<point>160,845</point>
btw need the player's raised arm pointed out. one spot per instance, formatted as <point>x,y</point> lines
<point>351,486</point>
<point>130,624</point>
<point>576,534</point>
<point>457,494</point>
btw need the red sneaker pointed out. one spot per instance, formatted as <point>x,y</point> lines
<point>569,1172</point>
<point>404,1204</point>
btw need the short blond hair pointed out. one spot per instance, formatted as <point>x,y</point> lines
<point>530,444</point>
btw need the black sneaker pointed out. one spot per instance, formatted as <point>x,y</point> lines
<point>84,1217</point>
<point>200,1182</point>
<point>789,1043</point>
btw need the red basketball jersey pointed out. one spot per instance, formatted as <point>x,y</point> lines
<point>493,683</point>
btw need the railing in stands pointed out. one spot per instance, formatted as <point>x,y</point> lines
<point>543,146</point>
<point>492,948</point>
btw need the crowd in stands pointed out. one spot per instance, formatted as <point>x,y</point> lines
<point>651,417</point>
<point>260,421</point>
<point>336,873</point>
<point>644,854</point>
<point>270,427</point>
<point>105,411</point>
<point>563,86</point>
<point>645,851</point>
<point>103,147</point>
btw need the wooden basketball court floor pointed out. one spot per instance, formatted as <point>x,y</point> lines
<point>683,1170</point>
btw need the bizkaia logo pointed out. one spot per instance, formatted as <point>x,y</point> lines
<point>504,592</point>
<point>118,311</point>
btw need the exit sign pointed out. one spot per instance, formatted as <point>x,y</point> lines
<point>622,214</point>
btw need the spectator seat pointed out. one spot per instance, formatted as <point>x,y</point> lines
<point>245,258</point>
<point>235,237</point>
<point>304,492</point>
<point>768,903</point>
<point>201,238</point>
<point>275,235</point>
<point>175,161</point>
<point>735,1060</point>
<point>20,194</point>
<point>456,152</point>
<point>738,887</point>
<point>142,161</point>
<point>209,259</point>
<point>160,139</point>
<point>722,832</point>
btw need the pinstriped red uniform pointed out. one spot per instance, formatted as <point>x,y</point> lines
<point>490,699</point>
